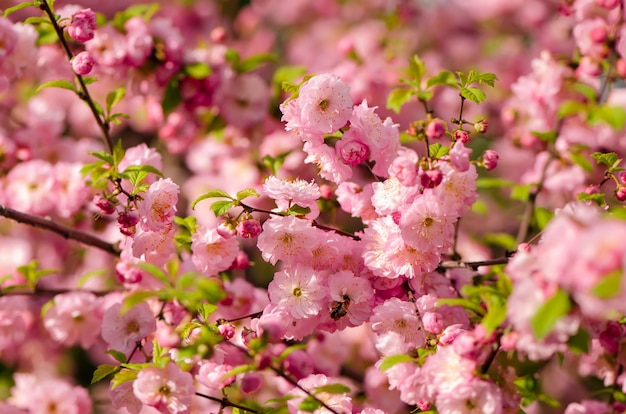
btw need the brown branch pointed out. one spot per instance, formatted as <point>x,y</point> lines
<point>457,264</point>
<point>66,232</point>
<point>226,403</point>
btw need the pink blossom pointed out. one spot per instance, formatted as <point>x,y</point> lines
<point>139,43</point>
<point>457,191</point>
<point>83,63</point>
<point>590,37</point>
<point>74,319</point>
<point>475,396</point>
<point>167,389</point>
<point>289,239</point>
<point>352,298</point>
<point>213,375</point>
<point>83,25</point>
<point>45,395</point>
<point>29,187</point>
<point>243,99</point>
<point>156,247</point>
<point>158,207</point>
<point>435,129</point>
<point>330,164</point>
<point>351,149</point>
<point>588,407</point>
<point>399,317</point>
<point>286,193</point>
<point>298,290</point>
<point>427,225</point>
<point>122,331</point>
<point>391,196</point>
<point>211,252</point>
<point>356,200</point>
<point>123,396</point>
<point>141,155</point>
<point>431,178</point>
<point>108,47</point>
<point>459,157</point>
<point>249,229</point>
<point>404,167</point>
<point>299,364</point>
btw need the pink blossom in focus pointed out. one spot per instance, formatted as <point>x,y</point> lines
<point>459,157</point>
<point>83,25</point>
<point>289,239</point>
<point>169,390</point>
<point>158,207</point>
<point>211,252</point>
<point>299,290</point>
<point>83,63</point>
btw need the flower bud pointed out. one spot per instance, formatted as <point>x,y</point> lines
<point>620,193</point>
<point>299,364</point>
<point>83,25</point>
<point>127,221</point>
<point>435,129</point>
<point>249,229</point>
<point>490,159</point>
<point>481,126</point>
<point>227,330</point>
<point>251,382</point>
<point>352,152</point>
<point>83,63</point>
<point>461,135</point>
<point>104,204</point>
<point>608,4</point>
<point>431,178</point>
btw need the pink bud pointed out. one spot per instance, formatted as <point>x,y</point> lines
<point>622,177</point>
<point>127,221</point>
<point>249,229</point>
<point>461,135</point>
<point>352,152</point>
<point>431,178</point>
<point>326,191</point>
<point>218,35</point>
<point>247,335</point>
<point>481,126</point>
<point>620,193</point>
<point>608,4</point>
<point>83,63</point>
<point>611,337</point>
<point>432,322</point>
<point>589,67</point>
<point>435,129</point>
<point>490,159</point>
<point>227,330</point>
<point>104,204</point>
<point>508,341</point>
<point>242,261</point>
<point>83,25</point>
<point>599,34</point>
<point>251,382</point>
<point>299,364</point>
<point>592,189</point>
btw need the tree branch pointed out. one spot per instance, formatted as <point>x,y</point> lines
<point>457,264</point>
<point>66,232</point>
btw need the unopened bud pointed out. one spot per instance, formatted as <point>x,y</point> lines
<point>490,159</point>
<point>435,129</point>
<point>431,178</point>
<point>461,135</point>
<point>481,126</point>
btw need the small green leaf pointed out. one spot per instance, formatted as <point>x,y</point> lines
<point>136,298</point>
<point>608,159</point>
<point>114,97</point>
<point>549,136</point>
<point>206,309</point>
<point>248,192</point>
<point>586,90</point>
<point>274,163</point>
<point>211,194</point>
<point>397,98</point>
<point>569,108</point>
<point>123,376</point>
<point>542,217</point>
<point>521,192</point>
<point>296,210</point>
<point>143,168</point>
<point>493,182</point>
<point>504,240</point>
<point>609,286</point>
<point>18,7</point>
<point>417,69</point>
<point>473,94</point>
<point>60,83</point>
<point>333,389</point>
<point>119,356</point>
<point>239,370</point>
<point>549,313</point>
<point>464,303</point>
<point>288,351</point>
<point>251,63</point>
<point>309,404</point>
<point>615,116</point>
<point>444,77</point>
<point>221,207</point>
<point>103,371</point>
<point>393,360</point>
<point>232,57</point>
<point>580,343</point>
<point>88,276</point>
<point>596,198</point>
<point>157,272</point>
<point>582,161</point>
<point>171,97</point>
<point>437,150</point>
<point>198,70</point>
<point>496,312</point>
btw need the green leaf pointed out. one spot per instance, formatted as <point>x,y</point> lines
<point>608,159</point>
<point>123,376</point>
<point>437,150</point>
<point>444,77</point>
<point>587,91</point>
<point>221,207</point>
<point>239,370</point>
<point>309,404</point>
<point>118,152</point>
<point>549,313</point>
<point>609,286</point>
<point>248,192</point>
<point>596,198</point>
<point>206,309</point>
<point>397,98</point>
<point>487,78</point>
<point>253,62</point>
<point>617,212</point>
<point>496,312</point>
<point>104,156</point>
<point>464,303</point>
<point>579,343</point>
<point>288,351</point>
<point>232,57</point>
<point>119,356</point>
<point>114,97</point>
<point>274,163</point>
<point>542,217</point>
<point>615,116</point>
<point>582,161</point>
<point>333,389</point>
<point>157,272</point>
<point>136,298</point>
<point>569,108</point>
<point>35,20</point>
<point>60,83</point>
<point>417,69</point>
<point>493,182</point>
<point>171,97</point>
<point>424,96</point>
<point>393,360</point>
<point>504,240</point>
<point>103,371</point>
<point>17,7</point>
<point>88,276</point>
<point>473,94</point>
<point>296,210</point>
<point>143,168</point>
<point>211,194</point>
<point>521,192</point>
<point>549,136</point>
<point>198,70</point>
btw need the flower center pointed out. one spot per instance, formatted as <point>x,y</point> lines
<point>324,104</point>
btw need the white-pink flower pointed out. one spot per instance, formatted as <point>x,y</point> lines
<point>74,319</point>
<point>299,290</point>
<point>211,252</point>
<point>340,403</point>
<point>122,331</point>
<point>426,224</point>
<point>399,317</point>
<point>286,193</point>
<point>158,207</point>
<point>288,238</point>
<point>168,389</point>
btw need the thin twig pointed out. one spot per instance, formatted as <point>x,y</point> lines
<point>67,232</point>
<point>84,92</point>
<point>226,403</point>
<point>457,264</point>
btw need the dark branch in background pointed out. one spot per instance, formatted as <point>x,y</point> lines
<point>225,403</point>
<point>66,232</point>
<point>457,264</point>
<point>84,92</point>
